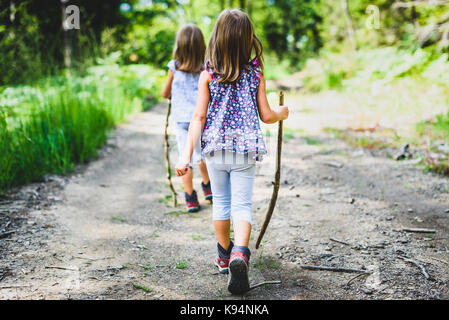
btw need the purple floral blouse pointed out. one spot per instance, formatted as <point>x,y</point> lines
<point>232,121</point>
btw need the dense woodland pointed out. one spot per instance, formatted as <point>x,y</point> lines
<point>33,40</point>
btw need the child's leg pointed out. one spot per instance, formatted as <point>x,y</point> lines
<point>192,203</point>
<point>242,182</point>
<point>221,209</point>
<point>181,137</point>
<point>187,181</point>
<point>242,232</point>
<point>223,230</point>
<point>203,170</point>
<point>205,185</point>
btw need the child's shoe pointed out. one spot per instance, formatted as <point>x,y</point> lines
<point>192,203</point>
<point>222,260</point>
<point>222,264</point>
<point>238,281</point>
<point>207,191</point>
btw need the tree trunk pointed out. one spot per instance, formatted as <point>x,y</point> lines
<point>350,29</point>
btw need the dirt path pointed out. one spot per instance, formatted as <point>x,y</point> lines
<point>108,232</point>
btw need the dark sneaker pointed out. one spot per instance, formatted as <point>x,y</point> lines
<point>192,203</point>
<point>222,264</point>
<point>207,191</point>
<point>238,281</point>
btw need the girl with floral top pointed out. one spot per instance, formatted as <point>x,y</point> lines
<point>231,99</point>
<point>182,86</point>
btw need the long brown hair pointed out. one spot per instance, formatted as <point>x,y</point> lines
<point>189,49</point>
<point>231,44</point>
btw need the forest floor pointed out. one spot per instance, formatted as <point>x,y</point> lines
<point>108,231</point>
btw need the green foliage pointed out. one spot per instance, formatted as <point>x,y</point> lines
<point>291,29</point>
<point>438,70</point>
<point>50,127</point>
<point>363,68</point>
<point>437,128</point>
<point>181,264</point>
<point>32,40</point>
<point>145,289</point>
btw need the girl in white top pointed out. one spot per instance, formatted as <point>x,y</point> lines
<point>182,86</point>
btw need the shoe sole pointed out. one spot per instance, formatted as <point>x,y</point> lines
<point>238,277</point>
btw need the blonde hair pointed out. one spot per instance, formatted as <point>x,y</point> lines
<point>231,44</point>
<point>189,49</point>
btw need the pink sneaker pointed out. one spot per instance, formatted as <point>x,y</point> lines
<point>192,203</point>
<point>222,264</point>
<point>207,191</point>
<point>238,281</point>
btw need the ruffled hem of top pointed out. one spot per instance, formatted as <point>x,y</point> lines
<point>235,143</point>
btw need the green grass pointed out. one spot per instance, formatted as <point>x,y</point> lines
<point>357,139</point>
<point>61,122</point>
<point>166,200</point>
<point>311,141</point>
<point>142,287</point>
<point>182,264</point>
<point>275,69</point>
<point>197,237</point>
<point>306,205</point>
<point>264,262</point>
<point>117,218</point>
<point>176,213</point>
<point>148,267</point>
<point>289,133</point>
<point>436,129</point>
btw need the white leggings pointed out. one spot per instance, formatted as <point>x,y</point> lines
<point>232,189</point>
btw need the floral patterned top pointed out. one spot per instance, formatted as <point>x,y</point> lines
<point>232,122</point>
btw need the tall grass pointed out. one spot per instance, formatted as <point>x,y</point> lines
<point>52,127</point>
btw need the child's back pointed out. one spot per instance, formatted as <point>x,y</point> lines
<point>184,92</point>
<point>232,122</point>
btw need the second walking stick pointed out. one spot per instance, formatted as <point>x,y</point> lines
<point>167,159</point>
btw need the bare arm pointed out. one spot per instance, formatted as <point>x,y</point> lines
<point>266,114</point>
<point>197,122</point>
<point>166,91</point>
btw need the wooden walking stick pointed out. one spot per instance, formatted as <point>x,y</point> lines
<point>167,159</point>
<point>277,178</point>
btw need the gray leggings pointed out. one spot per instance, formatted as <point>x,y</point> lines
<point>232,189</point>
